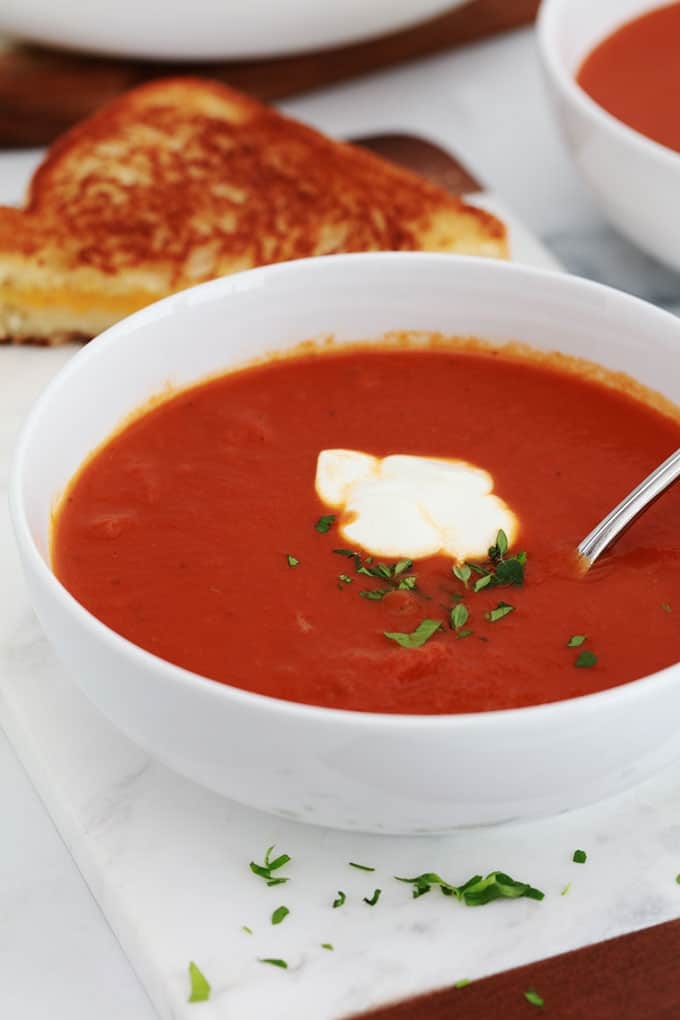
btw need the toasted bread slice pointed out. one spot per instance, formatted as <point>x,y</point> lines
<point>183,180</point>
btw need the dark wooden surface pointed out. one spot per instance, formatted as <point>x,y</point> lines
<point>635,977</point>
<point>42,92</point>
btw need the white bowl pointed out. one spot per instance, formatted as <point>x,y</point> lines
<point>636,180</point>
<point>209,29</point>
<point>344,769</point>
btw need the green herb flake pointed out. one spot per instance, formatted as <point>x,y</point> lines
<point>580,857</point>
<point>463,634</point>
<point>200,986</point>
<point>401,567</point>
<point>360,867</point>
<point>324,524</point>
<point>463,572</point>
<point>246,929</point>
<point>566,889</point>
<point>500,547</point>
<point>576,640</point>
<point>345,578</point>
<point>462,983</point>
<point>418,637</point>
<point>327,945</point>
<point>477,891</point>
<point>677,879</point>
<point>585,660</point>
<point>292,560</point>
<point>666,606</point>
<point>532,996</point>
<point>407,583</point>
<point>372,900</point>
<point>459,616</point>
<point>274,962</point>
<point>280,914</point>
<point>482,582</point>
<point>340,899</point>
<point>265,870</point>
<point>501,610</point>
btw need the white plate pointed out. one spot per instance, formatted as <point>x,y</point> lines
<point>209,29</point>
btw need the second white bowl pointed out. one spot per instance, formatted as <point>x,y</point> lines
<point>636,179</point>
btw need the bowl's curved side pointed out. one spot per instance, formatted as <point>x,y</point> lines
<point>351,770</point>
<point>635,179</point>
<point>210,29</point>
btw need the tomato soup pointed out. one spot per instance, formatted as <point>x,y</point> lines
<point>635,75</point>
<point>198,531</point>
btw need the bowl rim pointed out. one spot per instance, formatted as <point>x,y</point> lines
<point>630,691</point>
<point>547,33</point>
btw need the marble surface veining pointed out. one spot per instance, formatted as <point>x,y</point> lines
<point>168,861</point>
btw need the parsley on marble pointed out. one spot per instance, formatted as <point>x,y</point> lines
<point>273,961</point>
<point>579,857</point>
<point>477,891</point>
<point>372,900</point>
<point>340,899</point>
<point>327,945</point>
<point>360,867</point>
<point>200,986</point>
<point>462,983</point>
<point>265,870</point>
<point>280,914</point>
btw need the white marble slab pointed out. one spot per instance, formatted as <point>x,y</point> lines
<point>167,861</point>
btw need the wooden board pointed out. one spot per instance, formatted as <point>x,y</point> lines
<point>43,92</point>
<point>629,978</point>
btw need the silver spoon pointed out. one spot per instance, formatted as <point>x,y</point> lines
<point>628,510</point>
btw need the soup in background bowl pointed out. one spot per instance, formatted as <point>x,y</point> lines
<point>364,753</point>
<point>634,177</point>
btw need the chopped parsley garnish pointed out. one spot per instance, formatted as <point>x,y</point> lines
<point>351,554</point>
<point>477,891</point>
<point>462,983</point>
<point>463,572</point>
<point>498,551</point>
<point>265,870</point>
<point>499,571</point>
<point>292,561</point>
<point>566,889</point>
<point>345,578</point>
<point>376,593</point>
<point>326,945</point>
<point>501,610</point>
<point>576,640</point>
<point>340,899</point>
<point>416,638</point>
<point>200,986</point>
<point>324,524</point>
<point>246,929</point>
<point>274,962</point>
<point>580,857</point>
<point>463,634</point>
<point>666,606</point>
<point>360,867</point>
<point>532,996</point>
<point>585,660</point>
<point>459,616</point>
<point>372,900</point>
<point>280,914</point>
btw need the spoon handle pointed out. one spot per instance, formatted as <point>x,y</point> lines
<point>629,509</point>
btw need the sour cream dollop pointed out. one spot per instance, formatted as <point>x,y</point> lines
<point>411,507</point>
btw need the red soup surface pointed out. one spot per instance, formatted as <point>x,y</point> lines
<point>195,533</point>
<point>635,75</point>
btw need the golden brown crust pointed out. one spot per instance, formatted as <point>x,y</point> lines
<point>182,180</point>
